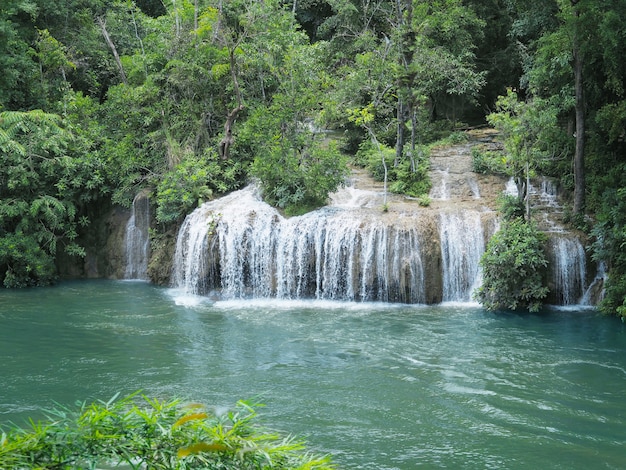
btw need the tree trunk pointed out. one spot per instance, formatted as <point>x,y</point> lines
<point>579,154</point>
<point>406,42</point>
<point>107,38</point>
<point>176,18</point>
<point>413,139</point>
<point>527,191</point>
<point>229,139</point>
<point>400,136</point>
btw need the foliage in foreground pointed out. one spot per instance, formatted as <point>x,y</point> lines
<point>513,264</point>
<point>153,434</point>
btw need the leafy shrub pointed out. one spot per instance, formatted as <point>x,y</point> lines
<point>441,131</point>
<point>513,265</point>
<point>424,200</point>
<point>369,156</point>
<point>511,207</point>
<point>454,138</point>
<point>299,181</point>
<point>488,161</point>
<point>610,240</point>
<point>153,434</point>
<point>23,263</point>
<point>402,179</point>
<point>47,182</point>
<point>192,182</point>
<point>412,182</point>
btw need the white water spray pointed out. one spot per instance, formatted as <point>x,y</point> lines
<point>569,269</point>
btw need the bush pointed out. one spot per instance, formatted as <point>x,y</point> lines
<point>194,181</point>
<point>299,181</point>
<point>153,434</point>
<point>513,265</point>
<point>23,263</point>
<point>369,156</point>
<point>511,207</point>
<point>402,178</point>
<point>48,181</point>
<point>488,161</point>
<point>610,240</point>
<point>415,183</point>
<point>454,138</point>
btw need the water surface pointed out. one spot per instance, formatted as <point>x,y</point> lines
<point>380,386</point>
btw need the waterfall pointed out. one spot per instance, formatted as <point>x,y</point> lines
<point>474,187</point>
<point>462,245</point>
<point>240,247</point>
<point>244,248</point>
<point>568,263</point>
<point>511,188</point>
<point>595,291</point>
<point>440,189</point>
<point>137,240</point>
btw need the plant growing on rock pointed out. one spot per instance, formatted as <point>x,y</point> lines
<point>513,263</point>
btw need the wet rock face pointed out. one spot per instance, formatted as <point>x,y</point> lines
<point>137,237</point>
<point>104,248</point>
<point>114,265</point>
<point>161,256</point>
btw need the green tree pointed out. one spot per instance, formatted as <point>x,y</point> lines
<point>19,86</point>
<point>45,182</point>
<point>435,43</point>
<point>402,70</point>
<point>610,240</point>
<point>193,181</point>
<point>526,130</point>
<point>295,163</point>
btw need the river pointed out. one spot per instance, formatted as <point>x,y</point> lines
<point>380,386</point>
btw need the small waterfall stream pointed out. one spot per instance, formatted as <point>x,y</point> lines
<point>137,239</point>
<point>462,245</point>
<point>566,254</point>
<point>568,266</point>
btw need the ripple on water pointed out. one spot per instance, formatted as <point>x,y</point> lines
<point>379,386</point>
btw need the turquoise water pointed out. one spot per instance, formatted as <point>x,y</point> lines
<point>379,386</point>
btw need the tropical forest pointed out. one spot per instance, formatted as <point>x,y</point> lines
<point>366,154</point>
<point>192,100</point>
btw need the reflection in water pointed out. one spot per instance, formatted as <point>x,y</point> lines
<point>379,385</point>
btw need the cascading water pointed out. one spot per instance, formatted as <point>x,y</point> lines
<point>440,189</point>
<point>595,292</point>
<point>243,247</point>
<point>137,239</point>
<point>568,267</point>
<point>566,254</point>
<point>462,245</point>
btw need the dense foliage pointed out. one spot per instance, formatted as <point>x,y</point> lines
<point>47,180</point>
<point>148,433</point>
<point>191,99</point>
<point>514,263</point>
